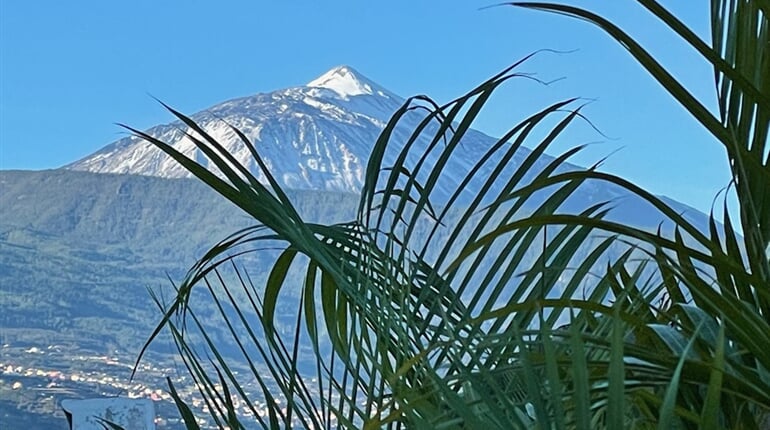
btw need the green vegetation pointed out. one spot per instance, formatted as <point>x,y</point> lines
<point>456,328</point>
<point>79,250</point>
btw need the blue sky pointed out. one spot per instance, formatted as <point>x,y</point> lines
<point>70,70</point>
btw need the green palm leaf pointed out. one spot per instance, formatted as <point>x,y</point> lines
<point>443,304</point>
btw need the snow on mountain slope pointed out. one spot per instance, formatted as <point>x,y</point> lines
<point>313,137</point>
<point>319,137</point>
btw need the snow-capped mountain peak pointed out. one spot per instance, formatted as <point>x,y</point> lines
<point>346,82</point>
<point>319,137</point>
<point>316,136</point>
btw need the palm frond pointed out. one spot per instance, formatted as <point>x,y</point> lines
<point>478,298</point>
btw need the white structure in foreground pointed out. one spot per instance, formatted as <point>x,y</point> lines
<point>130,414</point>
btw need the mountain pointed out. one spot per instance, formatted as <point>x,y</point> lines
<point>319,137</point>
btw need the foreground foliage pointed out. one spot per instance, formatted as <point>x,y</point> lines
<point>457,326</point>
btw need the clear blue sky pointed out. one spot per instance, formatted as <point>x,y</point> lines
<point>69,70</point>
